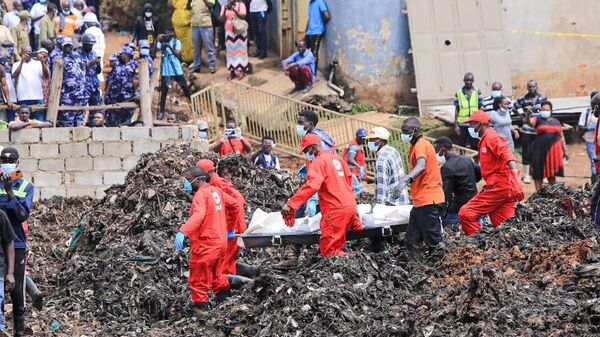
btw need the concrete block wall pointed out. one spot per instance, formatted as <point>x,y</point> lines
<point>73,162</point>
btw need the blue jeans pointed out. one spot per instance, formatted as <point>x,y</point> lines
<point>204,37</point>
<point>591,152</point>
<point>40,115</point>
<point>258,22</point>
<point>2,321</point>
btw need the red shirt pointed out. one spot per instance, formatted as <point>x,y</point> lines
<point>207,223</point>
<point>359,158</point>
<point>494,155</point>
<point>235,221</point>
<point>232,145</point>
<point>328,175</point>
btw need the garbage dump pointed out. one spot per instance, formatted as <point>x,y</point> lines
<point>538,275</point>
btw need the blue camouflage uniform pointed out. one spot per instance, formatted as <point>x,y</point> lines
<point>56,52</point>
<point>121,89</point>
<point>73,91</point>
<point>145,54</point>
<point>92,82</point>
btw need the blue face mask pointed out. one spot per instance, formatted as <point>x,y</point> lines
<point>202,134</point>
<point>406,138</point>
<point>372,146</point>
<point>187,186</point>
<point>300,130</point>
<point>309,157</point>
<point>8,168</point>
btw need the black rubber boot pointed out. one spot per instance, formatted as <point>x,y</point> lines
<point>201,308</point>
<point>247,270</point>
<point>238,282</point>
<point>19,328</point>
<point>37,298</point>
<point>222,296</point>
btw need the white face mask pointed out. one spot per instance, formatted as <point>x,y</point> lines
<point>372,147</point>
<point>545,114</point>
<point>440,158</point>
<point>148,14</point>
<point>474,134</point>
<point>202,134</point>
<point>496,93</point>
<point>309,157</point>
<point>300,130</point>
<point>406,138</point>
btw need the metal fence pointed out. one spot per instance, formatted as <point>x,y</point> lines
<point>260,113</point>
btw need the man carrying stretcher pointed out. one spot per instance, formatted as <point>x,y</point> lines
<point>330,176</point>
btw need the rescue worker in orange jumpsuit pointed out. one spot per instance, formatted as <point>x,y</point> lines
<point>595,203</point>
<point>236,222</point>
<point>328,175</point>
<point>354,156</point>
<point>207,230</point>
<point>499,170</point>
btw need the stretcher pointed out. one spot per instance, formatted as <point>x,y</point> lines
<point>269,229</point>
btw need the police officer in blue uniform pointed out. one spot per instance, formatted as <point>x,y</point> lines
<point>121,87</point>
<point>73,91</point>
<point>92,69</point>
<point>16,197</point>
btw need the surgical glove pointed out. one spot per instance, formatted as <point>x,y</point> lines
<point>230,235</point>
<point>362,173</point>
<point>311,208</point>
<point>179,241</point>
<point>591,127</point>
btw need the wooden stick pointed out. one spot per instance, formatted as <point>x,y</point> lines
<point>145,93</point>
<point>55,87</point>
<point>124,105</point>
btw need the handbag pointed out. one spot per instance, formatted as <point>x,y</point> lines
<point>240,26</point>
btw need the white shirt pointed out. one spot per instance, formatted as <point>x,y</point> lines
<point>99,47</point>
<point>258,6</point>
<point>11,19</point>
<point>29,83</point>
<point>38,9</point>
<point>11,88</point>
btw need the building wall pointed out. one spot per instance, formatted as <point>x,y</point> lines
<point>76,162</point>
<point>370,39</point>
<point>565,65</point>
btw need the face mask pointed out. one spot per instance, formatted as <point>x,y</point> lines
<point>372,147</point>
<point>148,14</point>
<point>545,114</point>
<point>42,1</point>
<point>300,130</point>
<point>66,12</point>
<point>440,158</point>
<point>496,93</point>
<point>145,52</point>
<point>202,134</point>
<point>309,157</point>
<point>474,134</point>
<point>8,168</point>
<point>406,138</point>
<point>187,186</point>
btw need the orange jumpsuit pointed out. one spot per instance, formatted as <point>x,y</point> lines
<point>207,230</point>
<point>236,221</point>
<point>231,146</point>
<point>329,175</point>
<point>497,198</point>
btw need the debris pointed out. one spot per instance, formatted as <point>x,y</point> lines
<point>535,275</point>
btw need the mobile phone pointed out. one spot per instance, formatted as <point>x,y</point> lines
<point>16,175</point>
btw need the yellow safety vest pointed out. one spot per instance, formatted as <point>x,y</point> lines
<point>467,106</point>
<point>20,193</point>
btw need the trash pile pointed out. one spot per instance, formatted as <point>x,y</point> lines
<point>537,275</point>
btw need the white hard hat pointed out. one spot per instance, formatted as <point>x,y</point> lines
<point>90,17</point>
<point>379,132</point>
<point>202,125</point>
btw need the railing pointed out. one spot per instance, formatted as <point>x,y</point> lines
<point>260,113</point>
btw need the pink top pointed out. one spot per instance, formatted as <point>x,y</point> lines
<point>230,14</point>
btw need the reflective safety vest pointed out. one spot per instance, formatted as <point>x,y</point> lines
<point>467,106</point>
<point>20,193</point>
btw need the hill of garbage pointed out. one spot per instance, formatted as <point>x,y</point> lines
<point>538,275</point>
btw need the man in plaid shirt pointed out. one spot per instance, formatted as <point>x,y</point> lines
<point>389,169</point>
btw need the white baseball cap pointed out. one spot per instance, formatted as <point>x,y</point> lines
<point>379,132</point>
<point>202,125</point>
<point>90,17</point>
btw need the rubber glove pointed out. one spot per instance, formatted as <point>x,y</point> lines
<point>179,241</point>
<point>230,235</point>
<point>362,173</point>
<point>591,127</point>
<point>311,207</point>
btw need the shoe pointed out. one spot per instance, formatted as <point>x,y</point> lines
<point>238,282</point>
<point>308,89</point>
<point>527,179</point>
<point>212,71</point>
<point>262,56</point>
<point>201,309</point>
<point>36,295</point>
<point>296,89</point>
<point>287,264</point>
<point>19,326</point>
<point>241,77</point>
<point>196,70</point>
<point>247,270</point>
<point>257,54</point>
<point>222,296</point>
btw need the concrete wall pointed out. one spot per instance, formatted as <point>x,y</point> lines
<point>563,65</point>
<point>370,39</point>
<point>76,162</point>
